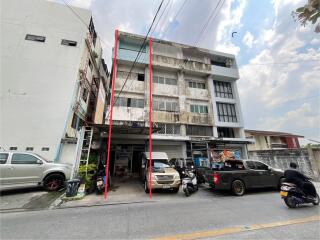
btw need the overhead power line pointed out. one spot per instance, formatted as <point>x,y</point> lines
<point>165,7</point>
<point>81,19</point>
<point>213,14</point>
<point>138,55</point>
<point>280,63</point>
<point>174,18</point>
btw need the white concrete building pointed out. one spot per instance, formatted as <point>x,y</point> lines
<point>196,105</point>
<point>52,72</point>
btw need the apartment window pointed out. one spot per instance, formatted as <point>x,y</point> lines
<point>85,94</point>
<point>164,80</point>
<point>225,132</point>
<point>35,38</point>
<point>45,149</point>
<point>165,105</point>
<point>129,102</point>
<point>74,121</point>
<point>169,129</point>
<point>218,63</point>
<point>171,81</point>
<point>90,64</point>
<point>3,158</point>
<point>68,43</point>
<point>226,112</point>
<point>199,130</point>
<point>223,89</point>
<point>140,77</point>
<point>197,85</point>
<point>198,109</point>
<point>29,148</point>
<point>13,148</point>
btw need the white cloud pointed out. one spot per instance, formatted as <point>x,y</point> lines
<point>303,117</point>
<point>81,3</point>
<point>315,41</point>
<point>279,87</point>
<point>248,39</point>
<point>231,22</point>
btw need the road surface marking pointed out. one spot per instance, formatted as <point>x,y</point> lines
<point>224,231</point>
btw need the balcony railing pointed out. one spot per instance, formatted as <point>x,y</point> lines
<point>181,63</point>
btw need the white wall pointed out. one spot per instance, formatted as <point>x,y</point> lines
<point>38,79</point>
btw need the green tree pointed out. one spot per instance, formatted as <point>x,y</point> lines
<point>309,13</point>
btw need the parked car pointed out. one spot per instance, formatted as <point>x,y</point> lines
<point>239,175</point>
<point>21,169</point>
<point>181,165</point>
<point>163,175</point>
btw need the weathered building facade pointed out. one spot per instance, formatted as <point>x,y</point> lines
<point>53,78</point>
<point>196,106</point>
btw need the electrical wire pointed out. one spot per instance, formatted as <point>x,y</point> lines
<point>137,57</point>
<point>280,63</point>
<point>175,17</point>
<point>212,16</point>
<point>160,18</point>
<point>82,21</point>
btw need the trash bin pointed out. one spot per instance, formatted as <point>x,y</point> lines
<point>72,187</point>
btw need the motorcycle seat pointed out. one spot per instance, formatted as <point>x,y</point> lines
<point>289,184</point>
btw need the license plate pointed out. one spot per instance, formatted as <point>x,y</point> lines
<point>166,186</point>
<point>283,194</point>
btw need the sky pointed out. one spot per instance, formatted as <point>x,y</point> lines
<point>278,60</point>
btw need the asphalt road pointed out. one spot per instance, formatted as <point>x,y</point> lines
<point>207,215</point>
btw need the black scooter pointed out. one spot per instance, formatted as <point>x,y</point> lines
<point>293,196</point>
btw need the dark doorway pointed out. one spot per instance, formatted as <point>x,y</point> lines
<point>112,160</point>
<point>136,162</point>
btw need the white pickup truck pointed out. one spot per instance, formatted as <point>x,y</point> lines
<point>163,176</point>
<point>21,169</point>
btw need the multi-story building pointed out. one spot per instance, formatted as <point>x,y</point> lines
<point>53,77</point>
<point>268,140</point>
<point>196,106</point>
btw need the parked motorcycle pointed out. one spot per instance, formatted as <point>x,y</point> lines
<point>189,182</point>
<point>293,196</point>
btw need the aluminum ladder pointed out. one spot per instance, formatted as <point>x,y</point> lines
<point>83,150</point>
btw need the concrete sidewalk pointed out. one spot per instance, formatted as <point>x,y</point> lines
<point>131,191</point>
<point>125,191</point>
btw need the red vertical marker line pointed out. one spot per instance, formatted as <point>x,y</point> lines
<point>114,75</point>
<point>150,118</point>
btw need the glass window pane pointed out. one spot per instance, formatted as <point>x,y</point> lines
<point>161,80</point>
<point>162,106</point>
<point>155,79</point>
<point>3,158</point>
<point>19,158</point>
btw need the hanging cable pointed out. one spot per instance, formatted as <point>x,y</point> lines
<point>137,57</point>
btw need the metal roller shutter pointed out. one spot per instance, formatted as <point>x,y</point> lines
<point>173,151</point>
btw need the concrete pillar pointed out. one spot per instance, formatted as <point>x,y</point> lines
<point>146,95</point>
<point>213,111</point>
<point>182,100</point>
<point>315,163</point>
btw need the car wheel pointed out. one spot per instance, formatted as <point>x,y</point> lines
<point>175,190</point>
<point>53,182</point>
<point>146,189</point>
<point>238,187</point>
<point>316,201</point>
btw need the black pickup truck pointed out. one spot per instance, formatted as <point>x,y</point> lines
<point>239,175</point>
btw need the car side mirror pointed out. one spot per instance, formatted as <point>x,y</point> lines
<point>172,165</point>
<point>39,162</point>
<point>269,169</point>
